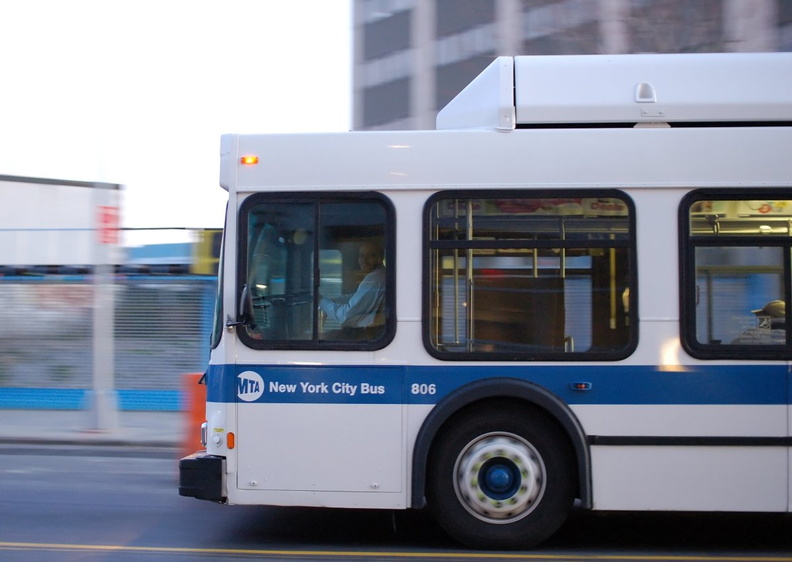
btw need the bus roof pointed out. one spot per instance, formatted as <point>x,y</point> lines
<point>530,91</point>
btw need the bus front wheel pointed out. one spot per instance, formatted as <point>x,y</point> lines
<point>501,478</point>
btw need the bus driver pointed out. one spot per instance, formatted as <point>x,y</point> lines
<point>358,313</point>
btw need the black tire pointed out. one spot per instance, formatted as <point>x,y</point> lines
<point>501,477</point>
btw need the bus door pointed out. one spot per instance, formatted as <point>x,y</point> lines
<point>737,280</point>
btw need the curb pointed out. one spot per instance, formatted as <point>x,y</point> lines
<point>90,442</point>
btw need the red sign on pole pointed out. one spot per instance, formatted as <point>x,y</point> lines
<point>108,224</point>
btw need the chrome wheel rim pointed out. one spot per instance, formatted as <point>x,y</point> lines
<point>499,477</point>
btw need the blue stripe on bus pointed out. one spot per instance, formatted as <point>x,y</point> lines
<point>607,384</point>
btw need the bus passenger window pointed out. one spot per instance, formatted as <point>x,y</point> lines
<point>540,277</point>
<point>315,271</point>
<point>737,255</point>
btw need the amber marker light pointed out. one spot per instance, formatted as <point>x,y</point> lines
<point>249,160</point>
<point>230,440</point>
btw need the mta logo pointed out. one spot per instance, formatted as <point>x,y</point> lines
<point>250,386</point>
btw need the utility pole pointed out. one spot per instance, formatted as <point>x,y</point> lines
<point>102,398</point>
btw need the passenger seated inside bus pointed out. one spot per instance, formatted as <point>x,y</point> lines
<point>770,326</point>
<point>360,313</point>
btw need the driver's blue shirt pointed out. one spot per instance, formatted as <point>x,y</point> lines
<point>358,309</point>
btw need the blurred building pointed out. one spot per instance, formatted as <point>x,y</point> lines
<point>412,56</point>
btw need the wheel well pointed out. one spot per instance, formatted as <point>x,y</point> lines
<point>492,403</point>
<point>497,393</point>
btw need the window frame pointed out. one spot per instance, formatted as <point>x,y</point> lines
<point>688,293</point>
<point>218,314</point>
<point>314,198</point>
<point>629,245</point>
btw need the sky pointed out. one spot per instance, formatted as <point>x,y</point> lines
<point>138,92</point>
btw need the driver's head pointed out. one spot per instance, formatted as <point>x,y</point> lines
<point>369,257</point>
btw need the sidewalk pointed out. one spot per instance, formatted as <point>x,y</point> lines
<point>75,427</point>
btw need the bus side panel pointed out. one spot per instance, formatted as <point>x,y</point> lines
<point>688,457</point>
<point>714,421</point>
<point>689,478</point>
<point>320,447</point>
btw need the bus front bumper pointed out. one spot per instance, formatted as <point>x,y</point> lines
<point>201,476</point>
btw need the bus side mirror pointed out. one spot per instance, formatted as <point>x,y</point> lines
<point>244,312</point>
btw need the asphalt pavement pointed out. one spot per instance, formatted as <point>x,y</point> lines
<point>80,427</point>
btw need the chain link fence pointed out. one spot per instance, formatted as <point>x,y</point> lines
<point>162,325</point>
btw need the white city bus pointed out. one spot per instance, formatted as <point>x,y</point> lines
<point>583,279</point>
